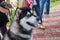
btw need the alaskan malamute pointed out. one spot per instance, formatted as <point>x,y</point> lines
<point>22,25</point>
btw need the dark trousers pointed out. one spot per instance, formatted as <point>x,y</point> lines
<point>3,29</point>
<point>3,22</point>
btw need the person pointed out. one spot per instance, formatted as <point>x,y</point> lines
<point>20,3</point>
<point>42,2</point>
<point>36,7</point>
<point>3,16</point>
<point>27,3</point>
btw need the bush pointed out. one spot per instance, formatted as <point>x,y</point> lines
<point>54,0</point>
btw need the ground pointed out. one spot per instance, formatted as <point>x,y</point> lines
<point>52,26</point>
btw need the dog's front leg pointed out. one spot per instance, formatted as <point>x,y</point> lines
<point>6,37</point>
<point>30,38</point>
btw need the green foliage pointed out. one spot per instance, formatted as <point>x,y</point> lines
<point>54,0</point>
<point>11,16</point>
<point>54,3</point>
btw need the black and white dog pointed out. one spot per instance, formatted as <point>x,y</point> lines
<point>23,22</point>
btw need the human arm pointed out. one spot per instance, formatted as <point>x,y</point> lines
<point>3,10</point>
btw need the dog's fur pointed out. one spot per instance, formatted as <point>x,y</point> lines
<point>22,25</point>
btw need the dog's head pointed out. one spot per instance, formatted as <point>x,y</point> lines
<point>26,18</point>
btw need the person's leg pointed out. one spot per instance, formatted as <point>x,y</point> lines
<point>47,6</point>
<point>41,9</point>
<point>37,8</point>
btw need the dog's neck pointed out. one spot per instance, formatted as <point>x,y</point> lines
<point>14,27</point>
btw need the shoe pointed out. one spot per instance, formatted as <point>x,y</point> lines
<point>42,26</point>
<point>46,13</point>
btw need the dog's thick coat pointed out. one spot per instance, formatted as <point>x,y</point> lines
<point>21,27</point>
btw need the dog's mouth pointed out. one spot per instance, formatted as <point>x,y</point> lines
<point>31,24</point>
<point>34,25</point>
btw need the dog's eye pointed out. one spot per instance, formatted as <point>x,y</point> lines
<point>28,15</point>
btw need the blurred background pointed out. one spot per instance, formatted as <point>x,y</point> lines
<point>16,3</point>
<point>51,22</point>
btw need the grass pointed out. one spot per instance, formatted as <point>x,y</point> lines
<point>52,4</point>
<point>10,16</point>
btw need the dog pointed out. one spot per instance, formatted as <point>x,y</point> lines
<point>22,25</point>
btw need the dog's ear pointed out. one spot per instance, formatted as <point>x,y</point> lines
<point>18,12</point>
<point>28,13</point>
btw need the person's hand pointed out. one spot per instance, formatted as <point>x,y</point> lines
<point>4,10</point>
